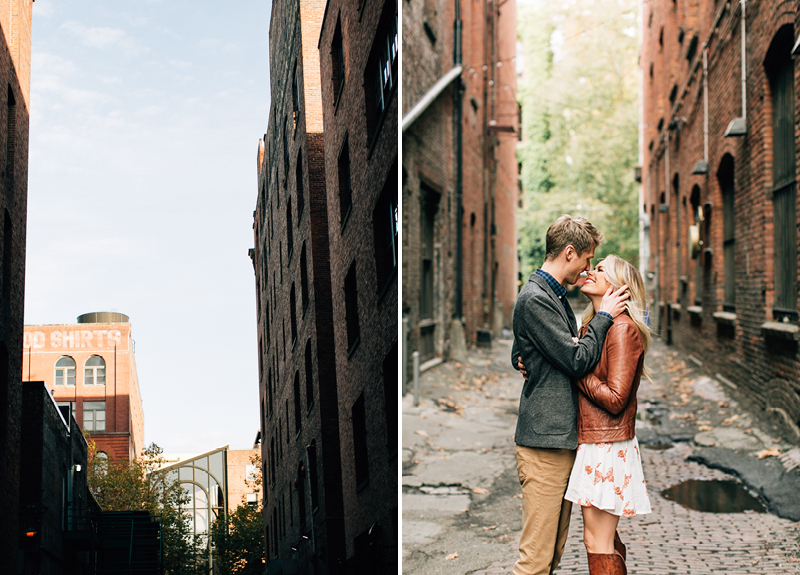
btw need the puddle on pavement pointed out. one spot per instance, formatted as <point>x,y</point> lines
<point>714,496</point>
<point>660,446</point>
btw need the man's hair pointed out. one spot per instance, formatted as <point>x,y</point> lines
<point>571,231</point>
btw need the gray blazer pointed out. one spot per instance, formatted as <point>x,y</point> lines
<point>543,332</point>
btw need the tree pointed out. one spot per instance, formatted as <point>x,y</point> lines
<point>580,121</point>
<point>138,486</point>
<point>239,539</point>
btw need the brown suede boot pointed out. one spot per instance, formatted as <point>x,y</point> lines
<point>606,564</point>
<point>619,546</point>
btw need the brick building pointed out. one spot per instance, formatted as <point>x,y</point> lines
<point>300,450</point>
<point>90,366</point>
<point>460,183</point>
<point>358,47</point>
<point>326,277</point>
<point>719,202</point>
<point>15,66</point>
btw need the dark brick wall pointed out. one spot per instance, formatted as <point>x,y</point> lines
<point>51,450</point>
<point>294,33</point>
<point>15,50</point>
<point>763,367</point>
<point>489,190</point>
<point>373,171</point>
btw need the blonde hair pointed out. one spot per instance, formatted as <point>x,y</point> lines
<point>570,231</point>
<point>618,272</point>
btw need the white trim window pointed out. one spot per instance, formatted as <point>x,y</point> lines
<point>94,371</point>
<point>94,415</point>
<point>65,371</point>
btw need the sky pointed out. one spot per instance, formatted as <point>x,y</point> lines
<point>144,126</point>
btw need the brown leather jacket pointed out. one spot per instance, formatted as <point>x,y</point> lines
<point>607,395</point>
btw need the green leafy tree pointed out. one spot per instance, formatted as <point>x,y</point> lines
<point>579,92</point>
<point>239,538</point>
<point>138,486</point>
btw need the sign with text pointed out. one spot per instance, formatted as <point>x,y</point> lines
<point>73,339</point>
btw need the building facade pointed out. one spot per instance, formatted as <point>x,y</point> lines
<point>358,47</point>
<point>90,367</point>
<point>298,384</point>
<point>326,285</point>
<point>719,203</point>
<point>460,179</point>
<point>15,66</point>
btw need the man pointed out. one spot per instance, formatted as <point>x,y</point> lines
<point>547,345</point>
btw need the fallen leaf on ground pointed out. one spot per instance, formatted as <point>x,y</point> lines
<point>490,528</point>
<point>774,452</point>
<point>479,490</point>
<point>518,496</point>
<point>704,428</point>
<point>421,432</point>
<point>730,419</point>
<point>453,556</point>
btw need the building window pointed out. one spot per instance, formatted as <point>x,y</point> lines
<point>309,377</point>
<point>390,391</point>
<point>351,309</point>
<point>94,371</point>
<point>295,98</point>
<point>11,132</point>
<point>94,415</point>
<point>293,314</point>
<point>725,177</point>
<point>312,476</point>
<point>698,256</point>
<point>8,259</point>
<point>298,422</point>
<point>781,79</point>
<point>360,442</point>
<point>303,277</point>
<point>301,494</point>
<point>301,200</point>
<point>285,153</point>
<point>337,63</point>
<point>384,224</point>
<point>73,408</point>
<point>345,186</point>
<point>65,371</point>
<point>381,70</point>
<point>289,231</point>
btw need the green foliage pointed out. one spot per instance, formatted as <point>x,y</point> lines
<point>137,486</point>
<point>579,93</point>
<point>239,539</point>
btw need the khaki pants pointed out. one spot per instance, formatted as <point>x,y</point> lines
<point>543,474</point>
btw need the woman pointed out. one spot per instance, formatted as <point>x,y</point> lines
<point>607,479</point>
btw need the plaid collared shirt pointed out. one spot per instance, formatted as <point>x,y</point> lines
<point>560,291</point>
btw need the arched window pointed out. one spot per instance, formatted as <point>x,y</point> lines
<point>65,371</point>
<point>698,254</point>
<point>94,371</point>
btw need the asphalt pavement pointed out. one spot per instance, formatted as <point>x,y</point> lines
<point>461,499</point>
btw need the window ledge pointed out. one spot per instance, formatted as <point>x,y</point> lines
<point>725,317</point>
<point>675,307</point>
<point>695,310</point>
<point>780,330</point>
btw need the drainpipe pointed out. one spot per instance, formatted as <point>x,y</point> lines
<point>738,126</point>
<point>701,167</point>
<point>457,115</point>
<point>458,345</point>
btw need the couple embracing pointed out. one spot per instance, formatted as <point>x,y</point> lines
<point>575,434</point>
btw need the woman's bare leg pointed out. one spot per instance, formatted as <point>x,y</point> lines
<point>598,530</point>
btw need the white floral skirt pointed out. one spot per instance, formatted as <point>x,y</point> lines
<point>609,476</point>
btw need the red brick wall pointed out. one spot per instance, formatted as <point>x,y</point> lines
<point>738,349</point>
<point>489,189</point>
